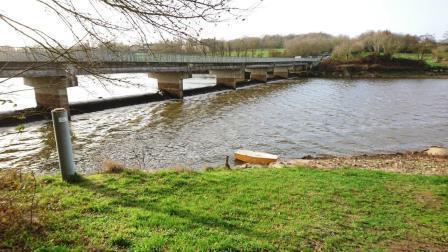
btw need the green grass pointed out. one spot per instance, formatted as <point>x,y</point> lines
<point>260,53</point>
<point>428,58</point>
<point>253,209</point>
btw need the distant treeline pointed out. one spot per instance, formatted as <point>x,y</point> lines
<point>384,43</point>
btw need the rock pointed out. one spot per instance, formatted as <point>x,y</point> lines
<point>437,152</point>
<point>243,166</point>
<point>298,162</point>
<point>346,73</point>
<point>248,165</point>
<point>277,165</point>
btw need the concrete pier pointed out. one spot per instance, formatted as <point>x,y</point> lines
<point>298,70</point>
<point>259,74</point>
<point>170,83</point>
<point>228,78</point>
<point>51,92</point>
<point>281,72</point>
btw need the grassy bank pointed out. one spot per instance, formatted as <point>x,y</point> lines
<point>260,53</point>
<point>253,209</point>
<point>428,58</point>
<point>373,66</point>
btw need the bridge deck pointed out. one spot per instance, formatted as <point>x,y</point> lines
<point>25,62</point>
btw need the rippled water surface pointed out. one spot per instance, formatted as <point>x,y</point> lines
<point>291,119</point>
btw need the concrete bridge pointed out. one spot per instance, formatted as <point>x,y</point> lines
<point>51,75</point>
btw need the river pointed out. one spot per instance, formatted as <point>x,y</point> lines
<point>290,118</point>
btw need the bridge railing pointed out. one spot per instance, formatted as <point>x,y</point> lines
<point>12,54</point>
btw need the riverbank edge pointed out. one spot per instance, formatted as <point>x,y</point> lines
<point>385,74</point>
<point>408,162</point>
<point>412,162</point>
<point>376,66</point>
<point>432,161</point>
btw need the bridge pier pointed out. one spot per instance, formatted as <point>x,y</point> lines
<point>298,70</point>
<point>228,78</point>
<point>258,74</point>
<point>170,83</point>
<point>282,72</point>
<point>51,92</point>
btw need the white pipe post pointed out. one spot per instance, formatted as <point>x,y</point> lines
<point>63,143</point>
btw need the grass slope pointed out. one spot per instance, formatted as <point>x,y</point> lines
<point>254,209</point>
<point>428,58</point>
<point>261,53</point>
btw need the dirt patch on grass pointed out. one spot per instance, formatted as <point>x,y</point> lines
<point>411,245</point>
<point>412,162</point>
<point>429,200</point>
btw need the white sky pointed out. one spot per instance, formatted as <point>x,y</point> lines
<point>349,17</point>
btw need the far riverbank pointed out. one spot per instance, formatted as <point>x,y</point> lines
<point>377,67</point>
<point>411,162</point>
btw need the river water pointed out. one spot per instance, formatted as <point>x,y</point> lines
<point>290,118</point>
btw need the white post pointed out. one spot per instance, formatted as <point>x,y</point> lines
<point>63,143</point>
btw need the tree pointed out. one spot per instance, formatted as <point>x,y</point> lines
<point>390,43</point>
<point>371,41</point>
<point>343,50</point>
<point>409,44</point>
<point>310,44</point>
<point>440,53</point>
<point>102,21</point>
<point>387,42</point>
<point>272,42</point>
<point>425,45</point>
<point>252,44</point>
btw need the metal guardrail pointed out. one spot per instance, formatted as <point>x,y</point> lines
<point>12,54</point>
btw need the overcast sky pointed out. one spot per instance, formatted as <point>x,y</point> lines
<point>349,17</point>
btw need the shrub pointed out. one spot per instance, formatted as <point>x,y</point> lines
<point>18,204</point>
<point>110,166</point>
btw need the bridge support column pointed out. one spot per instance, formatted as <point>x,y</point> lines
<point>51,92</point>
<point>259,74</point>
<point>228,78</point>
<point>170,83</point>
<point>297,69</point>
<point>282,72</point>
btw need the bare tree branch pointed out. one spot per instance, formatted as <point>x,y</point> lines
<point>97,24</point>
